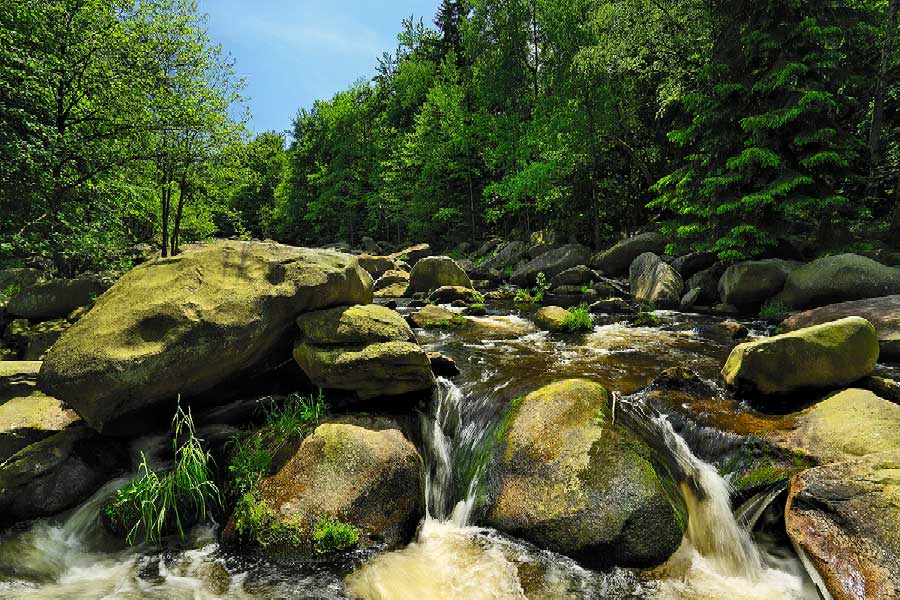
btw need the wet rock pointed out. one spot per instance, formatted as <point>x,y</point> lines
<point>434,272</point>
<point>883,313</point>
<point>577,276</point>
<point>825,356</point>
<point>189,324</point>
<point>844,517</point>
<point>568,296</point>
<point>749,284</point>
<point>435,317</point>
<point>707,281</point>
<point>369,480</point>
<point>655,282</point>
<point>550,264</point>
<point>889,389</point>
<point>367,350</point>
<point>846,425</point>
<point>571,481</point>
<point>838,279</point>
<point>690,299</point>
<point>475,310</point>
<point>691,264</point>
<point>617,260</point>
<point>734,330</point>
<point>376,266</point>
<point>550,318</point>
<point>443,365</point>
<point>725,309</point>
<point>55,299</point>
<point>57,473</point>
<point>454,293</point>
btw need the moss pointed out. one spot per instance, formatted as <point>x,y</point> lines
<point>764,477</point>
<point>578,320</point>
<point>332,535</point>
<point>452,323</point>
<point>258,522</point>
<point>774,310</point>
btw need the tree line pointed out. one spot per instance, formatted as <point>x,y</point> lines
<point>734,127</point>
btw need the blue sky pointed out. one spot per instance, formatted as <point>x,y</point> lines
<point>292,52</point>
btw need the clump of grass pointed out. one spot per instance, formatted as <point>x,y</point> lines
<point>774,310</point>
<point>331,535</point>
<point>534,295</point>
<point>11,290</point>
<point>578,320</point>
<point>296,414</point>
<point>646,317</point>
<point>155,503</point>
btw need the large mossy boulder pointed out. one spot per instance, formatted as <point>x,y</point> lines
<point>838,279</point>
<point>825,356</point>
<point>188,324</point>
<point>376,266</point>
<point>551,318</point>
<point>845,519</point>
<point>507,254</point>
<point>17,279</point>
<point>433,272</point>
<point>848,424</point>
<point>882,312</point>
<point>655,282</point>
<point>412,254</point>
<point>570,480</point>
<point>748,284</point>
<point>55,299</point>
<point>57,473</point>
<point>344,475</point>
<point>617,260</point>
<point>369,351</point>
<point>551,264</point>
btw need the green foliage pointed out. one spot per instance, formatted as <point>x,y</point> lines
<point>774,310</point>
<point>11,290</point>
<point>331,535</point>
<point>535,295</point>
<point>646,317</point>
<point>578,320</point>
<point>296,415</point>
<point>155,503</point>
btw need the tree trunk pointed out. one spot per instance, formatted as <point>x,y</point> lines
<point>179,210</point>
<point>472,209</point>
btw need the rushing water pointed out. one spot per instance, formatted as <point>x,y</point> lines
<point>71,557</point>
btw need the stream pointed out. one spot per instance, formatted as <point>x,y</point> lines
<point>452,557</point>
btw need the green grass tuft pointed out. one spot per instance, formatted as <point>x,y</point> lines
<point>331,535</point>
<point>774,310</point>
<point>578,320</point>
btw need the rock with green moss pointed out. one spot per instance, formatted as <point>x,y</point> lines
<point>825,356</point>
<point>569,479</point>
<point>345,486</point>
<point>191,323</point>
<point>367,350</point>
<point>846,425</point>
<point>655,282</point>
<point>57,473</point>
<point>392,284</point>
<point>29,417</point>
<point>550,318</point>
<point>56,298</point>
<point>845,517</point>
<point>750,283</point>
<point>838,279</point>
<point>14,280</point>
<point>433,272</point>
<point>436,317</point>
<point>618,259</point>
<point>455,293</point>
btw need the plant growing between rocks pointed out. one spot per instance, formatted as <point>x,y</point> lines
<point>578,320</point>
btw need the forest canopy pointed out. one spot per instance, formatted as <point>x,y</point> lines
<point>730,126</point>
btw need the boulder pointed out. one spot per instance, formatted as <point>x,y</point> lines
<point>844,518</point>
<point>578,275</point>
<point>443,365</point>
<point>191,323</point>
<point>846,425</point>
<point>609,288</point>
<point>56,298</point>
<point>882,312</point>
<point>690,298</point>
<point>750,283</point>
<point>430,317</point>
<point>433,272</point>
<point>369,351</point>
<point>570,480</point>
<point>550,318</point>
<point>655,282</point>
<point>837,279</point>
<point>451,293</point>
<point>376,266</point>
<point>412,254</point>
<point>370,480</point>
<point>889,389</point>
<point>617,260</point>
<point>396,290</point>
<point>824,356</point>
<point>691,264</point>
<point>15,280</point>
<point>369,245</point>
<point>568,296</point>
<point>29,417</point>
<point>390,278</point>
<point>551,264</point>
<point>613,306</point>
<point>57,473</point>
<point>488,247</point>
<point>707,281</point>
<point>508,254</point>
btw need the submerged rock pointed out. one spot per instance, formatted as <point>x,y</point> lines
<point>57,473</point>
<point>55,299</point>
<point>434,272</point>
<point>825,356</point>
<point>845,518</point>
<point>655,282</point>
<point>571,481</point>
<point>187,324</point>
<point>343,474</point>
<point>748,284</point>
<point>883,313</point>
<point>617,260</point>
<point>838,279</point>
<point>367,350</point>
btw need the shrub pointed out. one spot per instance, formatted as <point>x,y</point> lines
<point>155,504</point>
<point>536,294</point>
<point>774,310</point>
<point>578,320</point>
<point>331,535</point>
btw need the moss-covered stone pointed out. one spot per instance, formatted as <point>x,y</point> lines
<point>187,324</point>
<point>433,272</point>
<point>28,418</point>
<point>570,480</point>
<point>455,293</point>
<point>838,279</point>
<point>360,324</point>
<point>435,317</point>
<point>550,318</point>
<point>655,282</point>
<point>56,298</point>
<point>825,356</point>
<point>748,284</point>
